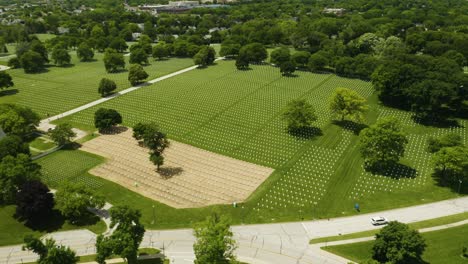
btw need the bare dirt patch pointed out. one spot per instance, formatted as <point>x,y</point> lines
<point>191,177</point>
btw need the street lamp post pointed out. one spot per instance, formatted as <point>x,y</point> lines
<point>459,185</point>
<point>152,222</point>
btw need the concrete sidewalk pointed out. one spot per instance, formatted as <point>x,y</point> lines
<point>283,243</point>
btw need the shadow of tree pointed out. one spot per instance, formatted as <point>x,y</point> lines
<point>350,125</point>
<point>53,222</point>
<point>88,219</point>
<point>169,172</point>
<point>439,123</point>
<point>305,132</point>
<point>393,170</point>
<point>450,181</point>
<point>114,130</point>
<point>8,92</point>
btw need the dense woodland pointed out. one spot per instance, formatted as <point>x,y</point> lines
<point>412,51</point>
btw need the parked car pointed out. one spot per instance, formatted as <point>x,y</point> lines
<point>379,220</point>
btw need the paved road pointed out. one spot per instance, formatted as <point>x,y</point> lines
<point>282,243</point>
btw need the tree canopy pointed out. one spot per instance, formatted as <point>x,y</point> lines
<point>106,118</point>
<point>125,239</point>
<point>49,252</point>
<point>5,80</point>
<point>136,74</point>
<point>73,201</point>
<point>205,56</point>
<point>113,61</point>
<point>299,114</point>
<point>382,144</point>
<point>18,120</point>
<point>62,134</point>
<point>397,243</point>
<point>106,87</point>
<point>14,172</point>
<point>34,202</point>
<point>347,103</point>
<point>214,242</point>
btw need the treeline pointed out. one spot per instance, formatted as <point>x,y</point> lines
<point>372,40</point>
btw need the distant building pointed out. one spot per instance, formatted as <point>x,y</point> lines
<point>336,11</point>
<point>184,4</point>
<point>63,30</point>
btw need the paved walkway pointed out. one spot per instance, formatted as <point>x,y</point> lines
<point>284,243</point>
<point>45,124</point>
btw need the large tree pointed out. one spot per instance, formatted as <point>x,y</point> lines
<point>126,237</point>
<point>113,61</point>
<point>434,144</point>
<point>383,143</point>
<point>34,202</point>
<point>347,103</point>
<point>299,114</point>
<point>287,68</point>
<point>32,62</point>
<point>106,86</point>
<point>205,56</point>
<point>138,56</point>
<point>60,56</point>
<point>49,252</point>
<point>154,139</point>
<point>73,200</point>
<point>14,172</point>
<point>62,134</point>
<point>18,120</point>
<point>451,163</point>
<point>280,56</point>
<point>136,74</point>
<point>214,242</point>
<point>106,118</point>
<point>397,243</point>
<point>5,80</point>
<point>160,51</point>
<point>84,52</point>
<point>254,52</point>
<point>13,145</point>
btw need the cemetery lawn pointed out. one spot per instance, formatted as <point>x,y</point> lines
<point>13,231</point>
<point>59,89</point>
<point>452,239</point>
<point>318,173</point>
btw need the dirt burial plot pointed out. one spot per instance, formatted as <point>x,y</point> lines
<point>190,177</point>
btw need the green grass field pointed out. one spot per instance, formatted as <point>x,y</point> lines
<point>452,239</point>
<point>63,88</point>
<point>13,231</point>
<point>318,174</point>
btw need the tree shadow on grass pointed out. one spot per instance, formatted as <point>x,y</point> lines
<point>290,75</point>
<point>167,172</point>
<point>8,92</point>
<point>88,219</point>
<point>444,123</point>
<point>350,125</point>
<point>305,132</point>
<point>53,222</point>
<point>451,182</point>
<point>394,171</point>
<point>119,71</point>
